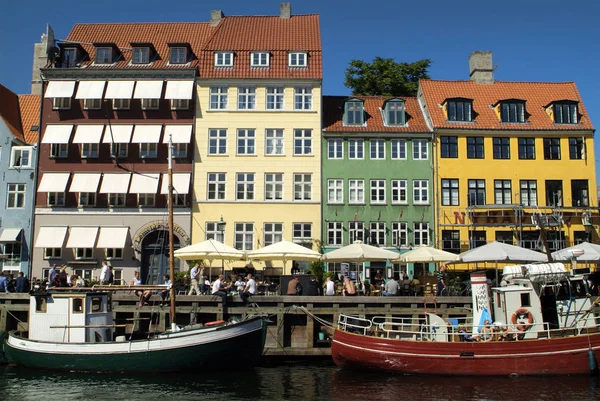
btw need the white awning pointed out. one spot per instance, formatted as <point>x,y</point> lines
<point>88,133</point>
<point>85,182</point>
<point>54,182</point>
<point>146,134</point>
<point>148,89</point>
<point>179,89</point>
<point>10,234</point>
<point>60,89</point>
<point>51,237</point>
<point>179,133</point>
<point>144,184</point>
<point>112,237</point>
<point>57,133</point>
<point>117,183</point>
<point>120,133</point>
<point>181,183</point>
<point>119,90</point>
<point>90,90</point>
<point>82,237</point>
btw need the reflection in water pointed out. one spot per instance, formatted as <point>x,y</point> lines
<point>301,380</point>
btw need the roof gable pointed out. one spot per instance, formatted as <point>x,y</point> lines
<point>9,112</point>
<point>29,106</point>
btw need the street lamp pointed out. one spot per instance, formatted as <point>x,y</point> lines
<point>221,227</point>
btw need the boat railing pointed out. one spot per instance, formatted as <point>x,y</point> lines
<point>354,324</point>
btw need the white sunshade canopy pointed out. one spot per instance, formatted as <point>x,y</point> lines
<point>90,89</point>
<point>284,250</point>
<point>144,184</point>
<point>112,237</point>
<point>427,254</point>
<point>10,234</point>
<point>591,253</point>
<point>85,182</point>
<point>148,89</point>
<point>181,183</point>
<point>209,249</point>
<point>88,133</point>
<point>178,133</point>
<point>60,89</point>
<point>54,182</point>
<point>120,133</point>
<point>82,237</point>
<point>57,133</point>
<point>115,183</point>
<point>179,89</point>
<point>146,134</point>
<point>119,90</point>
<point>499,251</point>
<point>51,237</point>
<point>359,252</point>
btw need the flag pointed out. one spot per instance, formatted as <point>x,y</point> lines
<point>422,215</point>
<point>485,315</point>
<point>401,213</point>
<point>356,215</point>
<point>336,212</point>
<point>379,216</point>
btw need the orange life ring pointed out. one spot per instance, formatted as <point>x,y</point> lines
<point>215,323</point>
<point>522,313</point>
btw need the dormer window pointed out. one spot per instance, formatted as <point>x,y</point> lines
<point>141,55</point>
<point>512,111</point>
<point>69,57</point>
<point>354,113</point>
<point>459,110</point>
<point>259,59</point>
<point>297,59</point>
<point>178,55</point>
<point>104,55</point>
<point>224,59</point>
<point>565,112</point>
<point>394,112</point>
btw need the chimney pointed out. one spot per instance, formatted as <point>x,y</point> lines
<point>285,10</point>
<point>215,17</point>
<point>480,66</point>
<point>40,59</point>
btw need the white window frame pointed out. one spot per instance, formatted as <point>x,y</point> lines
<point>86,199</point>
<point>400,192</point>
<point>16,159</point>
<point>15,195</point>
<point>420,149</point>
<point>180,104</point>
<point>55,199</point>
<point>119,150</point>
<point>216,186</point>
<point>356,192</point>
<point>92,104</point>
<point>121,104</point>
<point>245,186</point>
<point>218,97</point>
<point>61,103</point>
<point>502,193</point>
<point>259,59</point>
<point>297,59</point>
<point>117,200</point>
<point>528,193</point>
<point>213,232</point>
<point>377,149</point>
<point>302,187</point>
<point>400,234</point>
<point>302,234</point>
<point>217,141</point>
<point>246,97</point>
<point>151,104</point>
<point>146,200</point>
<point>273,186</point>
<point>113,253</point>
<point>450,192</point>
<point>223,59</point>
<point>421,233</point>
<point>303,98</point>
<point>335,149</point>
<point>274,142</point>
<point>83,253</point>
<point>377,229</point>
<point>140,55</point>
<point>59,150</point>
<point>90,150</point>
<point>275,96</point>
<point>302,142</point>
<point>52,253</point>
<point>335,191</point>
<point>148,150</point>
<point>377,191</point>
<point>356,149</point>
<point>421,192</point>
<point>398,148</point>
<point>356,231</point>
<point>246,142</point>
<point>106,58</point>
<point>244,236</point>
<point>335,233</point>
<point>273,233</point>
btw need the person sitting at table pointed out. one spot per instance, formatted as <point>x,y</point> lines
<point>294,287</point>
<point>415,285</point>
<point>378,279</point>
<point>486,333</point>
<point>392,287</point>
<point>349,288</point>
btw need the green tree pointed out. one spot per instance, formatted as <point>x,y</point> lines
<point>385,77</point>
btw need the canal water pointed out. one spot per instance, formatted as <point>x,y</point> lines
<point>298,380</point>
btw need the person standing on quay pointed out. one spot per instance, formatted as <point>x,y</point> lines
<point>51,275</point>
<point>194,275</point>
<point>22,283</point>
<point>329,287</point>
<point>105,273</point>
<point>441,281</point>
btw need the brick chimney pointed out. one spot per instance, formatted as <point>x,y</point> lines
<point>285,10</point>
<point>480,66</point>
<point>215,17</point>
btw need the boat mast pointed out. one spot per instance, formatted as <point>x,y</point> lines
<point>171,226</point>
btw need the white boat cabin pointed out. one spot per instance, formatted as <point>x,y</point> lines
<point>71,317</point>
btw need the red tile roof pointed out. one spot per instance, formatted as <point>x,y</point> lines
<point>30,116</point>
<point>537,96</point>
<point>333,114</point>
<point>9,112</point>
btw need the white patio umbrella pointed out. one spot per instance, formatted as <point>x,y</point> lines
<point>283,250</point>
<point>501,252</point>
<point>211,250</point>
<point>359,252</point>
<point>591,253</point>
<point>424,254</point>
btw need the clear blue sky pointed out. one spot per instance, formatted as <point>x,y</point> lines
<point>532,40</point>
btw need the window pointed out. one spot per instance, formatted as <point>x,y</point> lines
<point>576,148</point>
<point>178,55</point>
<point>356,191</point>
<point>273,233</point>
<point>451,241</point>
<point>92,104</point>
<point>150,104</point>
<point>274,142</point>
<point>356,149</point>
<point>61,103</point>
<point>273,186</point>
<point>244,236</point>
<point>356,230</point>
<point>180,150</point>
<point>141,55</point>
<point>90,150</point>
<point>335,148</point>
<point>459,110</point>
<point>216,186</point>
<point>377,191</point>
<point>399,192</point>
<point>502,192</point>
<point>399,234</point>
<point>554,191</point>
<point>56,199</point>
<point>505,237</point>
<point>121,104</point>
<point>551,148</point>
<point>527,148</point>
<point>377,148</point>
<point>565,113</point>
<point>148,150</point>
<point>335,191</point>
<point>512,112</point>
<point>420,151</point>
<point>69,57</point>
<point>449,145</point>
<point>421,233</point>
<point>86,199</point>
<point>224,59</point>
<point>302,234</point>
<point>420,192</point>
<point>302,142</point>
<point>476,194</point>
<point>217,141</point>
<point>52,253</point>
<point>354,113</point>
<point>334,233</point>
<point>477,239</point>
<point>303,98</point>
<point>501,148</point>
<point>377,233</point>
<point>116,200</point>
<point>528,192</point>
<point>21,157</point>
<point>83,253</point>
<point>114,253</point>
<point>450,192</point>
<point>297,59</point>
<point>245,142</point>
<point>104,55</point>
<point>274,98</point>
<point>394,112</point>
<point>180,200</point>
<point>259,59</point>
<point>246,98</point>
<point>302,187</point>
<point>398,149</point>
<point>581,236</point>
<point>146,200</point>
<point>475,148</point>
<point>180,104</point>
<point>213,231</point>
<point>580,193</point>
<point>218,97</point>
<point>15,196</point>
<point>119,150</point>
<point>244,186</point>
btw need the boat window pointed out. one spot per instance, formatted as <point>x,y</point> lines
<point>41,304</point>
<point>77,305</point>
<point>525,301</point>
<point>96,304</point>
